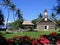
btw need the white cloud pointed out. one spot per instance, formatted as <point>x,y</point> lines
<point>9,21</point>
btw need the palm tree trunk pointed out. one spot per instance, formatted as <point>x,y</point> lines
<point>7,19</point>
<point>13,16</point>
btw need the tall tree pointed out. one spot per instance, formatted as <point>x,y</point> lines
<point>6,3</point>
<point>13,8</point>
<point>53,17</point>
<point>19,18</point>
<point>40,16</point>
<point>57,8</point>
<point>1,18</point>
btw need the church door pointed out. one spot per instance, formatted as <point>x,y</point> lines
<point>46,27</point>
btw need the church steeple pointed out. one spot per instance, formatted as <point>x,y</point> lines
<point>45,14</point>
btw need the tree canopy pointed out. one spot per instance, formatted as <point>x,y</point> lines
<point>19,20</point>
<point>1,18</point>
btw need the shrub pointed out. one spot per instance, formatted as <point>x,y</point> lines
<point>53,38</point>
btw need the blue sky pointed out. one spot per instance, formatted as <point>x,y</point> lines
<point>31,8</point>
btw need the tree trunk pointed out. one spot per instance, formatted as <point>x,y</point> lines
<point>7,19</point>
<point>13,16</point>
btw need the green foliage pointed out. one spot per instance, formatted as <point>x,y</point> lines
<point>14,25</point>
<point>34,21</point>
<point>53,17</point>
<point>58,23</point>
<point>40,17</point>
<point>19,18</point>
<point>6,2</point>
<point>19,15</point>
<point>13,7</point>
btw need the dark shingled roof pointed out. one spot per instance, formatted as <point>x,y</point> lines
<point>43,20</point>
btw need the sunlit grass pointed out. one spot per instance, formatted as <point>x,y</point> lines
<point>31,34</point>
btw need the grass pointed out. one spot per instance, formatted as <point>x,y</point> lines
<point>31,34</point>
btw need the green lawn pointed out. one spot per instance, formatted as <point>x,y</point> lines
<point>31,34</point>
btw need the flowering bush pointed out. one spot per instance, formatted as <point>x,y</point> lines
<point>44,41</point>
<point>53,38</point>
<point>22,40</point>
<point>35,41</point>
<point>10,42</point>
<point>53,34</point>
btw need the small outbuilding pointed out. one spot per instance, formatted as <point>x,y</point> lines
<point>27,25</point>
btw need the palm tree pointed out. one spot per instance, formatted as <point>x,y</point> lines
<point>13,8</point>
<point>19,17</point>
<point>6,3</point>
<point>57,8</point>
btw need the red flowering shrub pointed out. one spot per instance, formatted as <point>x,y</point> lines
<point>35,41</point>
<point>10,42</point>
<point>53,33</point>
<point>19,37</point>
<point>27,38</point>
<point>22,40</point>
<point>41,36</point>
<point>58,42</point>
<point>43,40</point>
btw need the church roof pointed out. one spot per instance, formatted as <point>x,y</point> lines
<point>48,20</point>
<point>27,23</point>
<point>43,20</point>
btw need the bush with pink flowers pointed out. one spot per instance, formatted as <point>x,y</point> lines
<point>53,38</point>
